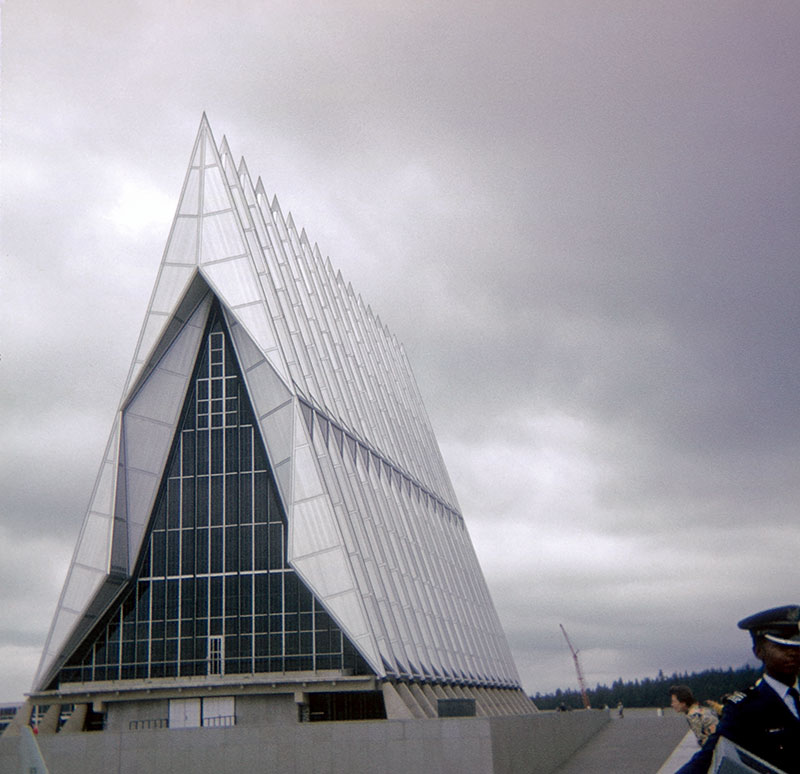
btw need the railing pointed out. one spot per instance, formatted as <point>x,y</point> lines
<point>219,721</point>
<point>216,721</point>
<point>148,723</point>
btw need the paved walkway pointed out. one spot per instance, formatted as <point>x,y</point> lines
<point>642,742</point>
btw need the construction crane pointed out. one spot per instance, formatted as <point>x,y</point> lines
<point>581,681</point>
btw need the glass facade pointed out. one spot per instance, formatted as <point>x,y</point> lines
<point>213,593</point>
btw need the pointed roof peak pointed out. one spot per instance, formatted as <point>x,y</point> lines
<point>204,137</point>
<point>204,145</point>
<point>205,126</point>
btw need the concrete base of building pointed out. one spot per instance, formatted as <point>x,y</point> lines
<point>255,701</point>
<point>404,701</point>
<point>534,744</point>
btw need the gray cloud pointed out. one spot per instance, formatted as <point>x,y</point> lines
<point>581,220</point>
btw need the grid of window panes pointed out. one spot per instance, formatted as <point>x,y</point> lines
<point>213,593</point>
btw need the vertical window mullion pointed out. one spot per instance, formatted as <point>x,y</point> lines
<point>149,626</point>
<point>313,635</point>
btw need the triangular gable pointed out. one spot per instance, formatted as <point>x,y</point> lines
<point>197,553</point>
<point>208,233</point>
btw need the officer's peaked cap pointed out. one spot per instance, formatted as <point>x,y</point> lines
<point>779,624</point>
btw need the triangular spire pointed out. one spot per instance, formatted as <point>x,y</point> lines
<point>341,420</point>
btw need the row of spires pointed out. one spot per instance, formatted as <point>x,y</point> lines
<point>317,317</point>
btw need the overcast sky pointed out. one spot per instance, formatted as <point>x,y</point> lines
<point>580,217</point>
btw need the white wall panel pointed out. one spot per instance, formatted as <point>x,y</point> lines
<point>82,583</point>
<point>307,481</point>
<point>153,328</point>
<point>182,353</point>
<point>63,624</point>
<point>141,491</point>
<point>234,280</point>
<point>93,554</point>
<point>146,444</point>
<point>149,423</point>
<point>220,237</point>
<point>256,321</point>
<point>172,284</point>
<point>283,478</point>
<point>266,381</point>
<point>182,245</point>
<point>247,353</point>
<point>314,529</point>
<point>103,495</point>
<point>95,542</point>
<point>326,572</point>
<point>215,193</point>
<point>190,200</point>
<point>277,427</point>
<point>159,400</point>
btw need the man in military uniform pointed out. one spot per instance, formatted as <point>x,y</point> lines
<point>766,720</point>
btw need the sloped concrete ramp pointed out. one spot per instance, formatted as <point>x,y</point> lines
<point>638,743</point>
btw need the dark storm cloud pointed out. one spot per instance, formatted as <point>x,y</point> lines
<point>580,219</point>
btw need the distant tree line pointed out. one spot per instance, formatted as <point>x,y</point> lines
<point>653,692</point>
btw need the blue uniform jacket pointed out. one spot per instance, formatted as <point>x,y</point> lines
<point>762,724</point>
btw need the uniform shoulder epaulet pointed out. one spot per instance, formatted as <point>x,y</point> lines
<point>737,696</point>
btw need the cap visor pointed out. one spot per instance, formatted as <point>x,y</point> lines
<point>782,641</point>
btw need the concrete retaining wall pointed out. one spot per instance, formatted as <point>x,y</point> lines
<point>532,744</point>
<point>539,744</point>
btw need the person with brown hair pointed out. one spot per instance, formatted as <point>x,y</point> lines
<point>702,720</point>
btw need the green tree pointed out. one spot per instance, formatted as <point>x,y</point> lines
<point>654,692</point>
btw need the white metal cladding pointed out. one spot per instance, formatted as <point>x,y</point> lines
<point>374,525</point>
<point>127,483</point>
<point>415,569</point>
<point>315,548</point>
<point>149,420</point>
<point>339,355</point>
<point>416,564</point>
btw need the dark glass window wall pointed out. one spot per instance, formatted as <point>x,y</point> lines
<point>213,593</point>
